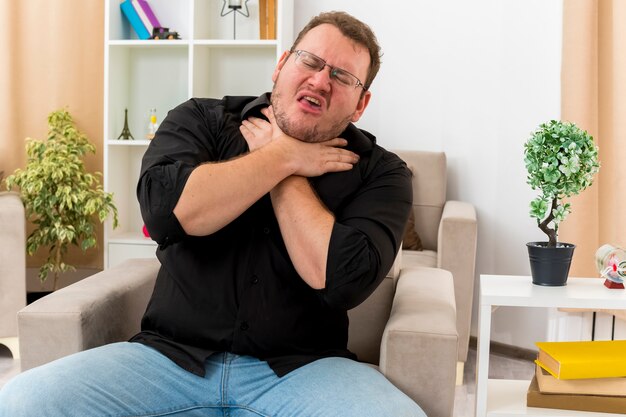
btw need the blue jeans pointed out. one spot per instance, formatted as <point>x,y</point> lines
<point>130,379</point>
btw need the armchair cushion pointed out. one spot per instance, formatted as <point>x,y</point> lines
<point>419,258</point>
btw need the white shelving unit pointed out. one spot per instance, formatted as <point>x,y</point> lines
<point>144,74</point>
<point>507,398</point>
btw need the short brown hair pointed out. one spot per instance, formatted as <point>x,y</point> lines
<point>351,28</point>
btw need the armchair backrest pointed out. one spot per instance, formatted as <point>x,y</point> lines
<point>368,320</point>
<point>429,192</point>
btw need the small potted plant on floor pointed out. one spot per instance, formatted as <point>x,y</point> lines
<point>561,160</point>
<point>61,198</point>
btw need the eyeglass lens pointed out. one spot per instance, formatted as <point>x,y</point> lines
<point>315,63</point>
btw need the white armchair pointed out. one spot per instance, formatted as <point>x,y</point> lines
<point>408,326</point>
<point>12,267</point>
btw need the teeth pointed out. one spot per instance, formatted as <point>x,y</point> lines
<point>313,100</point>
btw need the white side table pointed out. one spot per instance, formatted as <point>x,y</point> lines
<point>506,398</point>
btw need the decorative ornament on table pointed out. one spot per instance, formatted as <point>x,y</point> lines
<point>611,264</point>
<point>561,160</point>
<point>152,124</point>
<point>164,33</point>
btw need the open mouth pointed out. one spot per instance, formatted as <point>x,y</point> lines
<point>312,100</point>
<point>311,103</point>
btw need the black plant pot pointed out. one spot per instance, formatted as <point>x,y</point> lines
<point>549,266</point>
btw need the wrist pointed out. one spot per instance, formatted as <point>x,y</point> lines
<point>282,154</point>
<point>290,183</point>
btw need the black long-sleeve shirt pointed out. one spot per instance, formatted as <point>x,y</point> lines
<point>237,290</point>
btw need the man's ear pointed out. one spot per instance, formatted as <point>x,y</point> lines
<point>279,66</point>
<point>361,106</point>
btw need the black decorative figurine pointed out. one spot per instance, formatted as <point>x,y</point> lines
<point>126,131</point>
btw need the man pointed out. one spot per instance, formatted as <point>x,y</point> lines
<point>274,216</point>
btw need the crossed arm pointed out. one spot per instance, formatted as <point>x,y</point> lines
<point>217,193</point>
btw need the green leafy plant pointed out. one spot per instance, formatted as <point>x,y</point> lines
<point>61,198</point>
<point>561,160</point>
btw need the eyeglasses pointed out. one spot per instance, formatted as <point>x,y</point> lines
<point>311,62</point>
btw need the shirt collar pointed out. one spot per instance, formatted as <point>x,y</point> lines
<point>254,107</point>
<point>358,140</point>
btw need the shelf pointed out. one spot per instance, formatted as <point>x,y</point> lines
<point>269,43</point>
<point>245,69</point>
<point>236,43</point>
<point>129,245</point>
<point>149,43</point>
<point>130,238</point>
<point>507,398</point>
<point>140,75</point>
<point>172,14</point>
<point>130,142</point>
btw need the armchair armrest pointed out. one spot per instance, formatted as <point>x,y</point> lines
<point>456,252</point>
<point>103,308</point>
<point>419,345</point>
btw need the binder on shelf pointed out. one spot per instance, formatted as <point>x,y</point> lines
<point>583,359</point>
<point>598,403</point>
<point>592,386</point>
<point>145,13</point>
<point>134,20</point>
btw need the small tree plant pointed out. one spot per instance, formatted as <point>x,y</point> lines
<point>561,160</point>
<point>61,198</point>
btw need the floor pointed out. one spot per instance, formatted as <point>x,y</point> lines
<point>501,367</point>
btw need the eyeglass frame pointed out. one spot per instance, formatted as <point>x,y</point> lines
<point>333,70</point>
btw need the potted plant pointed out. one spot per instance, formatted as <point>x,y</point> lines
<point>60,197</point>
<point>561,160</point>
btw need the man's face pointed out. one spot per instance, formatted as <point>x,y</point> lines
<point>309,105</point>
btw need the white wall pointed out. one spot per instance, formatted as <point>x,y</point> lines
<point>473,79</point>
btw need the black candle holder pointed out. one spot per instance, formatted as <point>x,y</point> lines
<point>235,6</point>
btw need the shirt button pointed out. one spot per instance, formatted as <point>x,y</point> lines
<point>255,279</point>
<point>244,326</point>
<point>266,230</point>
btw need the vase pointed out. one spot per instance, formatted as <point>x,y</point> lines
<point>549,266</point>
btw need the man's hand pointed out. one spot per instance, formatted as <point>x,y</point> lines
<point>217,193</point>
<point>257,132</point>
<point>308,159</point>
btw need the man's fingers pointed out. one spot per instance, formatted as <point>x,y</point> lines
<point>344,155</point>
<point>253,122</point>
<point>269,113</point>
<point>340,159</point>
<point>335,142</point>
<point>349,157</point>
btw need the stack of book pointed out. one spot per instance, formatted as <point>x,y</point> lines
<point>141,17</point>
<point>584,376</point>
